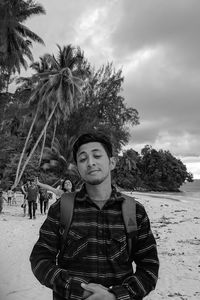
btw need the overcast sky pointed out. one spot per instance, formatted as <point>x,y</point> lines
<point>157,45</point>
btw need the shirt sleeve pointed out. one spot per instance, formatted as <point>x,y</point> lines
<point>146,259</point>
<point>43,259</point>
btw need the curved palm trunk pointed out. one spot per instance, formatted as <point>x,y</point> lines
<point>7,80</point>
<point>38,140</point>
<point>54,134</point>
<point>7,84</point>
<point>25,146</point>
<point>43,144</point>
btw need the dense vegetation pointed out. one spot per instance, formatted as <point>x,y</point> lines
<point>64,97</point>
<point>150,171</point>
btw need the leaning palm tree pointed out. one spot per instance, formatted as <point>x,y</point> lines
<point>58,92</point>
<point>30,83</point>
<point>15,38</point>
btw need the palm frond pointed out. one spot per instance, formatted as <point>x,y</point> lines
<point>29,10</point>
<point>26,32</point>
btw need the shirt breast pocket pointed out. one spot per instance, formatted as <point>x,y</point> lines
<point>117,248</point>
<point>76,244</point>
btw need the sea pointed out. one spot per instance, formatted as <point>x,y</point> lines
<point>191,189</point>
<point>189,192</point>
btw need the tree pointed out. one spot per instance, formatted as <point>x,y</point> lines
<point>59,157</point>
<point>152,170</point>
<point>160,170</point>
<point>126,173</point>
<point>104,108</point>
<point>15,38</point>
<point>57,93</point>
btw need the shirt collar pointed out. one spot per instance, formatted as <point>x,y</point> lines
<point>82,195</point>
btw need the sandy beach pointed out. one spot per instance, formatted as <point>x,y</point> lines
<point>176,226</point>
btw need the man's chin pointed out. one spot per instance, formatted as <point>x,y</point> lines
<point>94,181</point>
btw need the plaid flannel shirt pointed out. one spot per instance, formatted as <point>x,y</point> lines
<point>96,251</point>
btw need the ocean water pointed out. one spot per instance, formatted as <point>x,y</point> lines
<point>191,190</point>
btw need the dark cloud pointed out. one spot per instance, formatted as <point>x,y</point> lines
<point>148,24</point>
<point>159,43</point>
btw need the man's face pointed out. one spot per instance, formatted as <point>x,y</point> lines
<point>93,163</point>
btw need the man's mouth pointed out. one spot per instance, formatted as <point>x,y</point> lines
<point>93,172</point>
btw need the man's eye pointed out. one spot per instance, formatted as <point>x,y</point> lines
<point>82,159</point>
<point>97,156</point>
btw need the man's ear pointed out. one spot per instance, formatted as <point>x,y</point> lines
<point>112,163</point>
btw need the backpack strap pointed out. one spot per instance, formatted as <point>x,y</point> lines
<point>129,215</point>
<point>66,213</point>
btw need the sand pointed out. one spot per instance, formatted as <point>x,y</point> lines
<point>176,226</point>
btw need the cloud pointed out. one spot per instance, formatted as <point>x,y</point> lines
<point>79,22</point>
<point>158,44</point>
<point>145,24</point>
<point>193,165</point>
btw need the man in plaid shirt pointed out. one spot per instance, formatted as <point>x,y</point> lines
<point>96,264</point>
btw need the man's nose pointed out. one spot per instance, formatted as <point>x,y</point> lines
<point>91,161</point>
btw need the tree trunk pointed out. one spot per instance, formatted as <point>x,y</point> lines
<point>54,134</point>
<point>43,144</point>
<point>25,145</point>
<point>38,140</point>
<point>8,81</point>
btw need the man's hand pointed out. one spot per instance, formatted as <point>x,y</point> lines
<point>94,291</point>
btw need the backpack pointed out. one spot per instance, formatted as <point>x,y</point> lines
<point>66,214</point>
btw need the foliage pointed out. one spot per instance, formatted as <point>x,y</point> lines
<point>152,170</point>
<point>10,147</point>
<point>15,38</point>
<point>101,107</point>
<point>127,173</point>
<point>3,81</point>
<point>56,94</point>
<point>104,108</point>
<point>59,157</point>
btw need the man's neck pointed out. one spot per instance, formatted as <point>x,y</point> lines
<point>100,192</point>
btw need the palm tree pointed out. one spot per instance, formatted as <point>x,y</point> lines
<point>15,38</point>
<point>59,158</point>
<point>60,155</point>
<point>30,83</point>
<point>58,92</point>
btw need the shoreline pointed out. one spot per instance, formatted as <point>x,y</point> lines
<point>175,225</point>
<point>175,196</point>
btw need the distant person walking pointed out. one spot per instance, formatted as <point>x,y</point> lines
<point>1,199</point>
<point>32,195</point>
<point>14,197</point>
<point>24,189</point>
<point>44,199</point>
<point>10,196</point>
